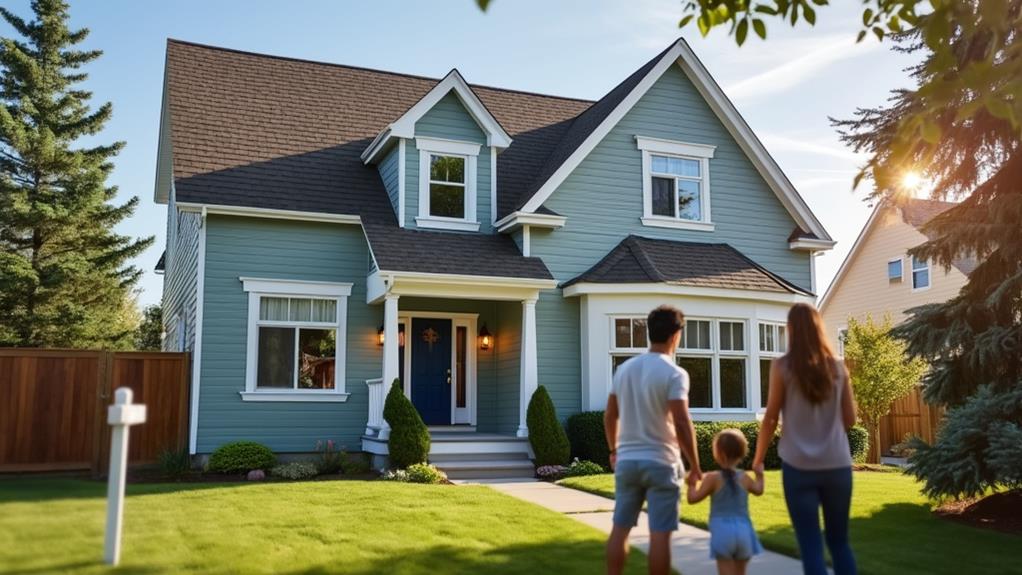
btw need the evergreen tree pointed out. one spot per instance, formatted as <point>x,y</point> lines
<point>149,335</point>
<point>64,274</point>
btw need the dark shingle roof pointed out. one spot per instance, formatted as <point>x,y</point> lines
<point>917,212</point>
<point>271,132</point>
<point>161,265</point>
<point>644,260</point>
<point>496,255</point>
<point>580,129</point>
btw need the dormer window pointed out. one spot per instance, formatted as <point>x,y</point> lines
<point>447,184</point>
<point>675,184</point>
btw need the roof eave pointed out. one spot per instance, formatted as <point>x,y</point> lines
<point>673,288</point>
<point>518,219</point>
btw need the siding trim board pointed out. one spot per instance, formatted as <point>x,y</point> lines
<point>193,429</point>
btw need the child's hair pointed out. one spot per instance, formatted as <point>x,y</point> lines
<point>732,446</point>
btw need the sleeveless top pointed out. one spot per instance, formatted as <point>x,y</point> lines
<point>731,500</point>
<point>813,437</point>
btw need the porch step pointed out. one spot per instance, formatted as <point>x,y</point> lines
<point>488,469</point>
<point>442,458</point>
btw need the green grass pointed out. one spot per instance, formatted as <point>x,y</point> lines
<point>351,527</point>
<point>892,529</point>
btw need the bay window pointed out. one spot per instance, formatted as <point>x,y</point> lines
<point>773,343</point>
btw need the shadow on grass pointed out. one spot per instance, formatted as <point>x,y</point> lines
<point>560,558</point>
<point>27,490</point>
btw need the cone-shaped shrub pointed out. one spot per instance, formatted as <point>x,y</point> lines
<point>409,438</point>
<point>549,442</point>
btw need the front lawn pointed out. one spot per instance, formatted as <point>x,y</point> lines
<point>352,527</point>
<point>892,529</point>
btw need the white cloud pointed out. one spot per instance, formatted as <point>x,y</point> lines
<point>817,55</point>
<point>778,143</point>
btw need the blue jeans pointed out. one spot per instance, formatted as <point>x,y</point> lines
<point>805,491</point>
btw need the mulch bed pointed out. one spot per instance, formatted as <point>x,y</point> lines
<point>1000,512</point>
<point>153,476</point>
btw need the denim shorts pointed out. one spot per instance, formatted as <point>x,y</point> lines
<point>652,482</point>
<point>733,538</point>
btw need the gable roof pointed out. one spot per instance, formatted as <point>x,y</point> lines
<point>590,128</point>
<point>404,127</point>
<point>643,260</point>
<point>915,212</point>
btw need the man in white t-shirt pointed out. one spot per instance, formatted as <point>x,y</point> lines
<point>648,423</point>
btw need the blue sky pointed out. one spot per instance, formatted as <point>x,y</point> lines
<point>785,87</point>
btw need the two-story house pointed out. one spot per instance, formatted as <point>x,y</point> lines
<point>332,229</point>
<point>879,278</point>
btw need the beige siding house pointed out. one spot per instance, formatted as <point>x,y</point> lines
<point>879,276</point>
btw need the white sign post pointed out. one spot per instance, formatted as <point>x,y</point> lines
<point>120,415</point>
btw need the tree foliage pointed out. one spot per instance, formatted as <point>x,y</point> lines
<point>149,335</point>
<point>880,372</point>
<point>64,274</point>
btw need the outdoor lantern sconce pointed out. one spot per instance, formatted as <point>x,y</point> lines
<point>380,338</point>
<point>485,339</point>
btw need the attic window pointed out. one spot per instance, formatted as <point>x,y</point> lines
<point>675,184</point>
<point>447,184</point>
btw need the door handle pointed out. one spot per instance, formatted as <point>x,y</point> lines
<point>448,376</point>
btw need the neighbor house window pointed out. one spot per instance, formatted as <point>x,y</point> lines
<point>676,187</point>
<point>296,338</point>
<point>920,273</point>
<point>894,271</point>
<point>773,343</point>
<point>447,184</point>
<point>842,339</point>
<point>713,352</point>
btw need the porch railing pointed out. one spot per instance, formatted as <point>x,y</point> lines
<point>376,426</point>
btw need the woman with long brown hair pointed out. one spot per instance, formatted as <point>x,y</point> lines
<point>810,388</point>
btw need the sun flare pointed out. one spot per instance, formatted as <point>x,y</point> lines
<point>912,181</point>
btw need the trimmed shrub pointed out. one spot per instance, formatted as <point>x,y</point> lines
<point>409,437</point>
<point>240,457</point>
<point>705,430</point>
<point>586,435</point>
<point>424,473</point>
<point>581,468</point>
<point>858,443</point>
<point>549,442</point>
<point>295,470</point>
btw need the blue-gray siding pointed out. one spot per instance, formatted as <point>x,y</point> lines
<point>180,275</point>
<point>265,248</point>
<point>449,120</point>
<point>602,200</point>
<point>389,173</point>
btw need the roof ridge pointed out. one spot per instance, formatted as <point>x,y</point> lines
<point>634,244</point>
<point>368,69</point>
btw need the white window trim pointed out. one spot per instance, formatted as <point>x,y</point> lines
<point>470,152</point>
<point>713,353</point>
<point>929,274</point>
<point>901,262</point>
<point>258,288</point>
<point>701,153</point>
<point>774,326</point>
<point>840,341</point>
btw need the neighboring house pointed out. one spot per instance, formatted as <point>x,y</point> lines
<point>878,277</point>
<point>333,228</point>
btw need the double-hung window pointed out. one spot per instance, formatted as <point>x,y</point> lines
<point>920,274</point>
<point>676,186</point>
<point>447,184</point>
<point>733,365</point>
<point>296,340</point>
<point>894,270</point>
<point>773,343</point>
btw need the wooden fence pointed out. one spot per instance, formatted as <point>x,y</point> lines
<point>53,406</point>
<point>909,415</point>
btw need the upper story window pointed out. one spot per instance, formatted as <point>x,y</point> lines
<point>920,274</point>
<point>894,271</point>
<point>447,184</point>
<point>675,184</point>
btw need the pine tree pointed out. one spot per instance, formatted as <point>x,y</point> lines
<point>973,342</point>
<point>64,274</point>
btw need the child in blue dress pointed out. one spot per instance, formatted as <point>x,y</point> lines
<point>733,541</point>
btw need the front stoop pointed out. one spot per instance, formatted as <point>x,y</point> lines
<point>469,455</point>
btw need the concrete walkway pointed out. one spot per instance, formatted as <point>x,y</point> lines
<point>689,546</point>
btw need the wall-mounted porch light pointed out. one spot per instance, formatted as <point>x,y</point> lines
<point>485,339</point>
<point>380,337</point>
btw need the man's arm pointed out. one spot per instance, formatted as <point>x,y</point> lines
<point>686,433</point>
<point>610,418</point>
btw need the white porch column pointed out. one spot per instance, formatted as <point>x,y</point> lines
<point>528,370</point>
<point>390,351</point>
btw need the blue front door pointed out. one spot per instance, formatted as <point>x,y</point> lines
<point>431,369</point>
